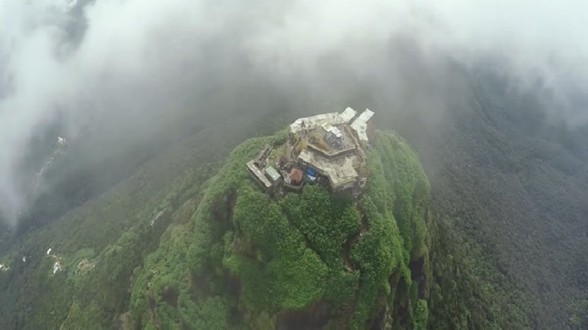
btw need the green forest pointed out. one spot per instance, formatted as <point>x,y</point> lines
<point>189,241</point>
<point>246,260</point>
<point>231,256</point>
<point>293,165</point>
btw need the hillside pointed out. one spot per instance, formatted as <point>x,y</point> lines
<point>115,271</point>
<point>509,189</point>
<point>310,260</point>
<point>505,238</point>
<point>111,233</point>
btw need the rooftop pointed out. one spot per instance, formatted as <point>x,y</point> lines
<point>330,144</point>
<point>295,177</point>
<point>333,118</point>
<point>316,140</point>
<point>348,114</point>
<point>272,173</point>
<point>360,125</point>
<point>340,171</point>
<point>258,174</point>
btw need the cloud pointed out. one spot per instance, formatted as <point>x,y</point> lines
<point>536,43</point>
<point>127,65</point>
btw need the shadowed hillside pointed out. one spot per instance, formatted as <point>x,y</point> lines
<point>510,184</point>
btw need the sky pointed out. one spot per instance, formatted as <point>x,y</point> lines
<point>135,65</point>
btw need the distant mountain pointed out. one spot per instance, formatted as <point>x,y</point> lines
<point>509,182</point>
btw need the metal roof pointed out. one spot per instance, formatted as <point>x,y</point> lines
<point>366,115</point>
<point>255,171</point>
<point>333,118</point>
<point>272,173</point>
<point>313,122</point>
<point>348,114</point>
<point>296,175</point>
<point>360,124</point>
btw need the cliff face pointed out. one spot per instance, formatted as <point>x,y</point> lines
<point>304,260</point>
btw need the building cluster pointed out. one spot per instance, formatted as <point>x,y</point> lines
<point>327,149</point>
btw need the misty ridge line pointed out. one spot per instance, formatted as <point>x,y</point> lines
<point>136,67</point>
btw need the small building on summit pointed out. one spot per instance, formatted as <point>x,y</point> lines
<point>258,175</point>
<point>348,114</point>
<point>363,127</point>
<point>325,149</point>
<point>272,174</point>
<point>296,176</point>
<point>314,122</point>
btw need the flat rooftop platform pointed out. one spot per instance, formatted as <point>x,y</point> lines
<point>258,174</point>
<point>340,171</point>
<point>315,140</point>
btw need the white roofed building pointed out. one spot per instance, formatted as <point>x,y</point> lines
<point>348,114</point>
<point>310,123</point>
<point>360,125</point>
<point>330,145</point>
<point>313,122</point>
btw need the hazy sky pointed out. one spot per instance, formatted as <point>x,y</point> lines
<point>130,61</point>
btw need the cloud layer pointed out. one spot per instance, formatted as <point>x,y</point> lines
<point>130,64</point>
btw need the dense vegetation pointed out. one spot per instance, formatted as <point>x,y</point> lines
<point>509,188</point>
<point>232,256</point>
<point>101,243</point>
<point>504,245</point>
<point>310,259</point>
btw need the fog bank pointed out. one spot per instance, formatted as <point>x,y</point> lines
<point>128,68</point>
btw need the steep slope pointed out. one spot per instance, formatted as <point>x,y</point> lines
<point>100,243</point>
<point>310,260</point>
<point>509,186</point>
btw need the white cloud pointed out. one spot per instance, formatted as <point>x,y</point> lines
<point>136,56</point>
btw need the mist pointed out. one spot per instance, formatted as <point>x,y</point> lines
<point>110,74</point>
